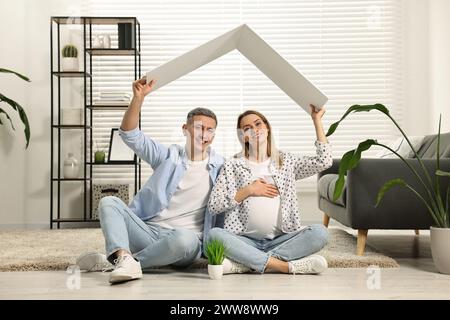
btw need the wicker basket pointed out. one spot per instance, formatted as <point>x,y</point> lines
<point>121,191</point>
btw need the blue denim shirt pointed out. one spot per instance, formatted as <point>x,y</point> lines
<point>168,164</point>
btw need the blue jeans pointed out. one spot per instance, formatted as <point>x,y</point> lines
<point>151,244</point>
<point>255,253</point>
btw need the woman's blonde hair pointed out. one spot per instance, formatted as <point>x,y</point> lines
<point>272,151</point>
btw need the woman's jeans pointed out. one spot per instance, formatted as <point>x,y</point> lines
<point>151,244</point>
<point>255,253</point>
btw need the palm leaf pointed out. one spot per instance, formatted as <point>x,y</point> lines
<point>400,182</point>
<point>343,165</point>
<point>22,115</point>
<point>363,146</point>
<point>447,198</point>
<point>438,144</point>
<point>16,73</point>
<point>436,177</point>
<point>387,186</point>
<point>442,173</point>
<point>7,116</point>
<point>357,108</point>
<point>349,161</point>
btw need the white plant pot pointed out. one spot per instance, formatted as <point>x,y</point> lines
<point>215,271</point>
<point>440,240</point>
<point>69,64</point>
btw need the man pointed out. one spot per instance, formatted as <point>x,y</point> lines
<point>168,218</point>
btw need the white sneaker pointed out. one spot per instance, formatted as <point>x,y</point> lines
<point>312,264</point>
<point>126,269</point>
<point>230,266</point>
<point>93,261</point>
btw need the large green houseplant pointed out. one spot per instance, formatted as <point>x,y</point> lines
<point>17,107</point>
<point>437,205</point>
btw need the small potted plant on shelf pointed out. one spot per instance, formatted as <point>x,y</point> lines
<point>99,155</point>
<point>69,58</point>
<point>215,252</point>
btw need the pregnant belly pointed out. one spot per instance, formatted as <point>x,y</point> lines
<point>263,215</point>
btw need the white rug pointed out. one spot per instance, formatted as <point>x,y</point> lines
<point>37,250</point>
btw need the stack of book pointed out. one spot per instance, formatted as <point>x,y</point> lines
<point>126,36</point>
<point>113,98</point>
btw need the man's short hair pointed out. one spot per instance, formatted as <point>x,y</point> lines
<point>201,112</point>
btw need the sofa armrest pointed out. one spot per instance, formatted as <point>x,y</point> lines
<point>333,169</point>
<point>400,208</point>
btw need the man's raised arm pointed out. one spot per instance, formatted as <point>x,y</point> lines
<point>130,119</point>
<point>146,148</point>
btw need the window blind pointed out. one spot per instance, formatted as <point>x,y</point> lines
<point>351,50</point>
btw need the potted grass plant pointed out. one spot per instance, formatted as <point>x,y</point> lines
<point>215,252</point>
<point>437,205</point>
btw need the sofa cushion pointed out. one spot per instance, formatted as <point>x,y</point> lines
<point>326,189</point>
<point>401,146</point>
<point>429,146</point>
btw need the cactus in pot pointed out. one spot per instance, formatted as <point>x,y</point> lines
<point>69,58</point>
<point>70,51</point>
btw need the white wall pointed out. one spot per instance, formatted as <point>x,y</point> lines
<point>417,66</point>
<point>427,60</point>
<point>24,175</point>
<point>439,43</point>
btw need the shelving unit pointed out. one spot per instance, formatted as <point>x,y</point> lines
<point>56,128</point>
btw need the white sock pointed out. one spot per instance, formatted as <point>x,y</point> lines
<point>230,266</point>
<point>124,256</point>
<point>226,266</point>
<point>290,266</point>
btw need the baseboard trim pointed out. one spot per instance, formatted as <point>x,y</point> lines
<point>23,226</point>
<point>46,226</point>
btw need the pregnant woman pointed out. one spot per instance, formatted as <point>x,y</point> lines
<point>256,193</point>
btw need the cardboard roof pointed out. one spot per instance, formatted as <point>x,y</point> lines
<point>257,51</point>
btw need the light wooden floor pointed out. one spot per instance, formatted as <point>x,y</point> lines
<point>417,278</point>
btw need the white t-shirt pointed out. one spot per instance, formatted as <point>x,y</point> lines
<point>187,206</point>
<point>264,219</point>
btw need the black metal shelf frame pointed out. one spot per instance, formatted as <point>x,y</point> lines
<point>87,75</point>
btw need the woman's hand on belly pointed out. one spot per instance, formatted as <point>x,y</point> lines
<point>260,188</point>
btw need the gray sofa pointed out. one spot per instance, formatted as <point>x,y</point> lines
<point>399,209</point>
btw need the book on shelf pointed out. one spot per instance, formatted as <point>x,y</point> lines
<point>113,98</point>
<point>106,93</point>
<point>114,95</point>
<point>111,102</point>
<point>126,36</point>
